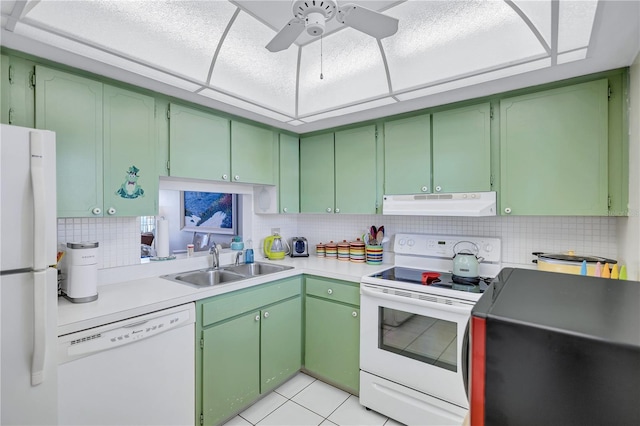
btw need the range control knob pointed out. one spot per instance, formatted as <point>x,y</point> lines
<point>402,242</point>
<point>411,243</point>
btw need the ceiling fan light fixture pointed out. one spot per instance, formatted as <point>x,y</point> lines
<point>315,23</point>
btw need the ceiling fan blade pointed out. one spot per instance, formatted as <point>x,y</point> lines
<point>286,36</point>
<point>368,21</point>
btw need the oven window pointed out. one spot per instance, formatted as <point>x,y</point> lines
<point>423,338</point>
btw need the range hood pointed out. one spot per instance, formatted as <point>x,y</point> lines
<point>455,204</point>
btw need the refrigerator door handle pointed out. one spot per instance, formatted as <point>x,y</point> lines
<point>39,327</point>
<point>39,208</point>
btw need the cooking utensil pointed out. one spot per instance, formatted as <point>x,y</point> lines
<point>569,263</point>
<point>274,248</point>
<point>466,260</point>
<point>429,277</point>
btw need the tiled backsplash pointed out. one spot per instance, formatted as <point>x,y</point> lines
<point>520,235</point>
<point>119,238</point>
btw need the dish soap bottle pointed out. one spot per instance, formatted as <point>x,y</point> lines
<point>248,253</point>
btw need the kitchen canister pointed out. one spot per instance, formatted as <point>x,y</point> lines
<point>320,250</point>
<point>373,255</point>
<point>331,250</point>
<point>357,251</point>
<point>343,251</point>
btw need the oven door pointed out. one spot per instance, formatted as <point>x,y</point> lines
<point>415,340</point>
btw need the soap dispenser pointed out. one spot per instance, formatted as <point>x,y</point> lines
<point>248,253</point>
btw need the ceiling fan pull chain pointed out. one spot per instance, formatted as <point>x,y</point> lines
<point>321,76</point>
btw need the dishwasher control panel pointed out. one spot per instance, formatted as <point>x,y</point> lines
<point>84,343</point>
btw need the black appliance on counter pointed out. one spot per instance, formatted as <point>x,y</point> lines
<point>554,349</point>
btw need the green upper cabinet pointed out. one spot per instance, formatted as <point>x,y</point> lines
<point>18,100</point>
<point>254,154</point>
<point>71,106</point>
<point>355,168</point>
<point>4,89</point>
<point>130,173</point>
<point>317,174</point>
<point>554,152</point>
<point>462,149</point>
<point>199,144</point>
<point>289,185</point>
<point>105,145</point>
<point>407,155</point>
<point>338,172</point>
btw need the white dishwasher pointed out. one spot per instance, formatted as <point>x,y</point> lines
<point>140,371</point>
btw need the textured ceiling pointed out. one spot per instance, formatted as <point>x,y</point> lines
<point>213,52</point>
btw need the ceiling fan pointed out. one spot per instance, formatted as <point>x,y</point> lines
<point>312,15</point>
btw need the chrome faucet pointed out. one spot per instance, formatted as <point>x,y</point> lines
<point>238,255</point>
<point>215,255</point>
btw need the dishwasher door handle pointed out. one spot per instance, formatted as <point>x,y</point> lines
<point>135,324</point>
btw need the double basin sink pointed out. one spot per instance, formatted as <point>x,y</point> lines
<point>225,274</point>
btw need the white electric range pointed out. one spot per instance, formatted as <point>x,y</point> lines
<point>412,325</point>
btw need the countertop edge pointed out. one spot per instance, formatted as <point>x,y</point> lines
<point>76,317</point>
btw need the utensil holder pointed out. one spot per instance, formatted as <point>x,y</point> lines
<point>374,254</point>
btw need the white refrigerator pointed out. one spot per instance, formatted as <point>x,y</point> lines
<point>28,278</point>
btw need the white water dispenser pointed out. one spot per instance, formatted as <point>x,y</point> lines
<point>80,272</point>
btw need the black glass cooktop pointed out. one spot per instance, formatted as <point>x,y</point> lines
<point>434,279</point>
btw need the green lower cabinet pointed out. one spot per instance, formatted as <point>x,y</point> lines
<point>230,367</point>
<point>280,343</point>
<point>250,343</point>
<point>332,342</point>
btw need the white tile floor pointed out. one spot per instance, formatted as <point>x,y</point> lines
<point>303,401</point>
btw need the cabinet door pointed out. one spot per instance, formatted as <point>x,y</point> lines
<point>281,343</point>
<point>4,89</point>
<point>317,174</point>
<point>130,175</point>
<point>332,342</point>
<point>355,163</point>
<point>71,106</point>
<point>18,101</point>
<point>407,155</point>
<point>230,367</point>
<point>462,149</point>
<point>553,152</point>
<point>254,154</point>
<point>199,144</point>
<point>289,186</point>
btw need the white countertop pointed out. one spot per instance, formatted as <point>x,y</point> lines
<point>138,289</point>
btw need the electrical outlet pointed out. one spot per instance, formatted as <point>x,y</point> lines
<point>275,231</point>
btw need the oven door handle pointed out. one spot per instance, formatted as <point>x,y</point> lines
<point>424,303</point>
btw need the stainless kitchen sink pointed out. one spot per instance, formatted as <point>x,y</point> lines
<point>226,274</point>
<point>254,269</point>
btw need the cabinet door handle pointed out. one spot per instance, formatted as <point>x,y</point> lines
<point>337,210</point>
<point>438,188</point>
<point>424,189</point>
<point>96,211</point>
<point>236,177</point>
<point>224,176</point>
<point>329,291</point>
<point>354,314</point>
<point>507,210</point>
<point>111,211</point>
<point>257,317</point>
<point>328,209</point>
<point>285,209</point>
<point>266,314</point>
